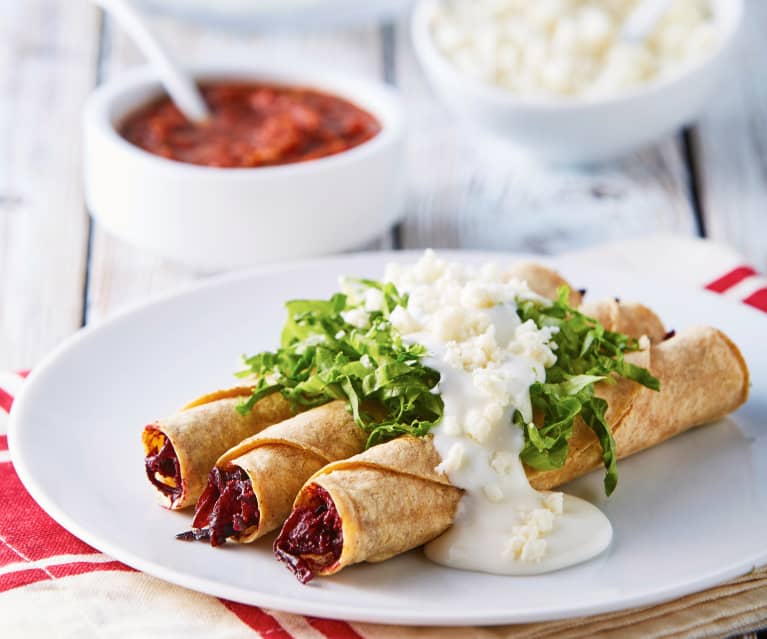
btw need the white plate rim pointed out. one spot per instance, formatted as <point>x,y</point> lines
<point>323,610</point>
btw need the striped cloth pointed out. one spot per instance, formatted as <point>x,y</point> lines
<point>53,584</point>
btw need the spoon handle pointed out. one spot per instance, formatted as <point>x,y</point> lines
<point>182,90</point>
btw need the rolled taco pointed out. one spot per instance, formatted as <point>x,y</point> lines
<point>703,376</point>
<point>390,499</point>
<point>370,507</point>
<point>180,450</point>
<point>251,488</point>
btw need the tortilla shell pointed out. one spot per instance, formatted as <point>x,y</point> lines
<point>205,429</point>
<point>279,459</point>
<point>391,499</point>
<point>703,377</point>
<point>544,280</point>
<point>235,391</point>
<point>631,318</point>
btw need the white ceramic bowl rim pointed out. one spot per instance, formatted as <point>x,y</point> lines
<point>424,43</point>
<point>379,100</point>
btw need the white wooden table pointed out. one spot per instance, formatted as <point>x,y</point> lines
<point>58,270</point>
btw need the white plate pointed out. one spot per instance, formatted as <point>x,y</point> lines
<point>687,515</point>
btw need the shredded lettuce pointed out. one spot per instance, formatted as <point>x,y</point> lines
<point>586,353</point>
<point>323,357</point>
<point>326,354</point>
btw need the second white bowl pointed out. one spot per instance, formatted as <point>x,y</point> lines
<point>574,130</point>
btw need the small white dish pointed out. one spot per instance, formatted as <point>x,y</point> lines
<point>219,218</point>
<point>580,130</point>
<point>688,514</point>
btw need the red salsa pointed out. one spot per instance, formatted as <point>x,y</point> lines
<point>252,125</point>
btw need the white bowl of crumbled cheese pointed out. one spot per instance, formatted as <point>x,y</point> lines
<point>555,78</point>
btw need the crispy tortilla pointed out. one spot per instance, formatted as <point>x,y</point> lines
<point>544,280</point>
<point>202,431</point>
<point>279,459</point>
<point>390,498</point>
<point>631,318</point>
<point>703,378</point>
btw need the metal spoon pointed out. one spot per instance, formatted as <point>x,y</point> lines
<point>180,87</point>
<point>643,20</point>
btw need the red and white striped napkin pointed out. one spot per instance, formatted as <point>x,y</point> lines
<point>53,584</point>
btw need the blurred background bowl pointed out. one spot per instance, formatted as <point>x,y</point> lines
<point>580,130</point>
<point>259,15</point>
<point>219,218</point>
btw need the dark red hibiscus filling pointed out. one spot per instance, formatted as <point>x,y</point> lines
<point>312,537</point>
<point>164,462</point>
<point>227,507</point>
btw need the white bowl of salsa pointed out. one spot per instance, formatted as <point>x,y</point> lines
<point>291,164</point>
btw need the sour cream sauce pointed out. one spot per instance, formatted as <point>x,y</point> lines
<point>488,359</point>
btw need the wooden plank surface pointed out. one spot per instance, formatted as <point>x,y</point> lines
<point>47,67</point>
<point>730,146</point>
<point>462,193</point>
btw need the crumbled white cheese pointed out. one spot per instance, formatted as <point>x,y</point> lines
<point>426,270</point>
<point>533,550</point>
<point>527,541</point>
<point>486,294</point>
<point>554,502</point>
<point>534,343</point>
<point>450,425</point>
<point>457,312</point>
<point>453,460</point>
<point>478,427</point>
<point>448,324</point>
<point>357,317</point>
<point>542,519</point>
<point>488,359</point>
<point>493,411</point>
<point>567,47</point>
<point>374,300</point>
<point>476,351</point>
<point>493,492</point>
<point>503,462</point>
<point>523,548</point>
<point>513,548</point>
<point>403,322</point>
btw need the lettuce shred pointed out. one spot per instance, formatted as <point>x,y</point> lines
<point>586,353</point>
<point>322,357</point>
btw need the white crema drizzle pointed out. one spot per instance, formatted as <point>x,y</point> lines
<point>488,359</point>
